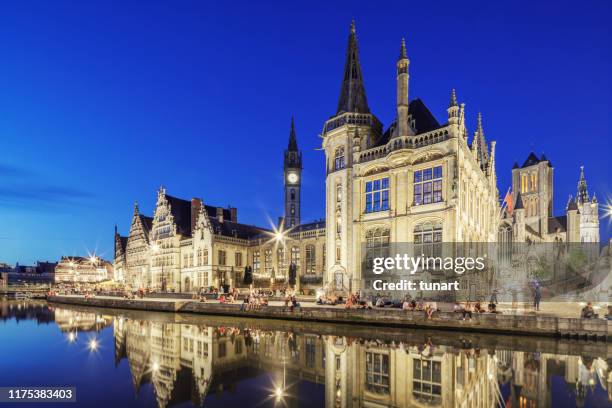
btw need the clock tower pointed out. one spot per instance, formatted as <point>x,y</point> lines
<point>293,180</point>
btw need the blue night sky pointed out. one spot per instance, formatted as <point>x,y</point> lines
<point>103,102</point>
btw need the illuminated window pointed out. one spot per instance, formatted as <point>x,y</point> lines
<point>282,264</point>
<point>428,239</point>
<point>377,244</point>
<point>238,259</point>
<point>377,195</point>
<point>339,158</point>
<point>310,259</point>
<point>428,186</point>
<point>268,261</point>
<point>256,262</point>
<point>295,257</point>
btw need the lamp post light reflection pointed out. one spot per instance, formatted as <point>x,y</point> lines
<point>71,337</point>
<point>93,344</point>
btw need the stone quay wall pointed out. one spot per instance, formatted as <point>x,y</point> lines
<point>549,326</point>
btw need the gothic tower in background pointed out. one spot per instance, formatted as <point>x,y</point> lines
<point>293,180</point>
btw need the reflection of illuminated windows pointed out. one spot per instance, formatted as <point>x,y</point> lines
<point>311,351</point>
<point>427,380</point>
<point>238,348</point>
<point>377,373</point>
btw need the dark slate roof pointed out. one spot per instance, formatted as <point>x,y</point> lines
<point>557,223</point>
<point>352,93</point>
<point>233,229</point>
<point>532,159</point>
<point>571,204</point>
<point>423,118</point>
<point>181,211</point>
<point>309,226</point>
<point>424,121</point>
<point>147,222</point>
<point>516,166</point>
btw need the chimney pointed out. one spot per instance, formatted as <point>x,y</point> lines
<point>233,214</point>
<point>196,204</point>
<point>220,214</point>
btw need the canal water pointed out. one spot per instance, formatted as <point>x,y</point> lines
<point>138,359</point>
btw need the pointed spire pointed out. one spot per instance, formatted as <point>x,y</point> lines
<point>479,139</point>
<point>453,99</point>
<point>135,207</point>
<point>352,93</point>
<point>292,138</point>
<point>571,204</point>
<point>583,193</point>
<point>403,53</point>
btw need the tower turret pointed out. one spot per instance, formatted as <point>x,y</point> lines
<point>293,179</point>
<point>583,193</point>
<point>453,109</point>
<point>402,91</point>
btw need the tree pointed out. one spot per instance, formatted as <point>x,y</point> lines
<point>248,275</point>
<point>292,274</point>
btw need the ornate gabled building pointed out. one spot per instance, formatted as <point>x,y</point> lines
<point>417,181</point>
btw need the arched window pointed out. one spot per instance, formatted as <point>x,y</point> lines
<point>428,239</point>
<point>282,264</point>
<point>293,193</point>
<point>310,259</point>
<point>295,257</point>
<point>339,193</point>
<point>339,158</point>
<point>268,261</point>
<point>504,239</point>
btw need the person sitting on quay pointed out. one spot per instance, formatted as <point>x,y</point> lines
<point>294,303</point>
<point>465,310</point>
<point>588,312</point>
<point>478,308</point>
<point>245,304</point>
<point>609,314</point>
<point>493,308</point>
<point>429,311</point>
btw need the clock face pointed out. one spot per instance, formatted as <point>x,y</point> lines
<point>292,177</point>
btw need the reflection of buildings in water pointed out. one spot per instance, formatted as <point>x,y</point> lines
<point>187,362</point>
<point>529,376</point>
<point>71,321</point>
<point>407,376</point>
<point>26,310</point>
